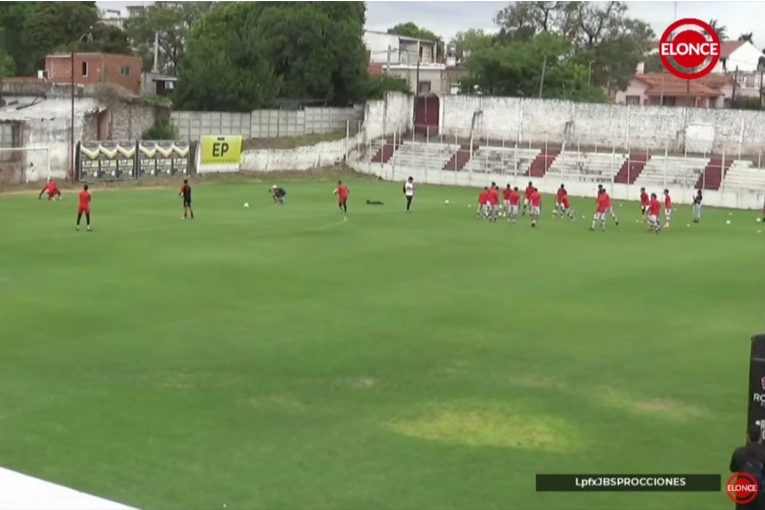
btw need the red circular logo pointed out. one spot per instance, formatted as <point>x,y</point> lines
<point>741,488</point>
<point>694,50</point>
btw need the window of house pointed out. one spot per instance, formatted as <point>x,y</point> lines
<point>125,71</point>
<point>633,100</point>
<point>423,88</point>
<point>726,102</point>
<point>668,101</point>
<point>84,69</point>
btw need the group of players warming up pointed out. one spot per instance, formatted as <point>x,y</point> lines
<point>489,206</point>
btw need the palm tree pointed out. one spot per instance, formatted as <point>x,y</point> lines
<point>748,37</point>
<point>721,30</point>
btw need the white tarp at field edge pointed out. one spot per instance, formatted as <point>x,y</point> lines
<point>22,492</point>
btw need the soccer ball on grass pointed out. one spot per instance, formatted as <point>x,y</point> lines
<point>246,205</point>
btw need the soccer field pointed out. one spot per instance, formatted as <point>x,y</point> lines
<point>278,357</point>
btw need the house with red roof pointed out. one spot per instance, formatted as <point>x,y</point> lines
<point>654,89</point>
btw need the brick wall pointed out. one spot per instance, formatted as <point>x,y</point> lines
<point>94,68</point>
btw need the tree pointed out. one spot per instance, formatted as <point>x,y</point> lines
<point>103,38</point>
<point>410,29</point>
<point>316,48</point>
<point>472,41</point>
<point>653,64</point>
<point>721,30</point>
<point>747,36</point>
<point>171,22</point>
<point>225,66</point>
<point>515,69</point>
<point>35,29</point>
<point>602,36</point>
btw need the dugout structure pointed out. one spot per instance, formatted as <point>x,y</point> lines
<point>129,160</point>
<point>756,412</point>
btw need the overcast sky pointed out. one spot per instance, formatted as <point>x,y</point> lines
<point>448,18</point>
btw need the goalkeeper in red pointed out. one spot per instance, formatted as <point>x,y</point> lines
<point>51,189</point>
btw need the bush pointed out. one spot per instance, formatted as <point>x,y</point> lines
<point>161,130</point>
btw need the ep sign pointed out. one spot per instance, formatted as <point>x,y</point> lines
<point>695,48</point>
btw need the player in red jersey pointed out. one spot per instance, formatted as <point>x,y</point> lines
<point>667,209</point>
<point>493,202</point>
<point>763,210</point>
<point>527,196</point>
<point>514,200</point>
<point>483,203</point>
<point>654,214</point>
<point>566,209</point>
<point>506,199</point>
<point>535,201</point>
<point>342,193</point>
<point>84,207</point>
<point>601,206</point>
<point>186,193</point>
<point>644,202</point>
<point>610,207</point>
<point>559,200</point>
<point>51,189</point>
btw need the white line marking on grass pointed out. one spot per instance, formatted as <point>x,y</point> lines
<point>22,492</point>
<point>330,225</point>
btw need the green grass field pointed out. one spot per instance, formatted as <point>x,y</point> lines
<point>279,358</point>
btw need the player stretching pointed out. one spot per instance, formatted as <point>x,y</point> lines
<point>697,206</point>
<point>84,207</point>
<point>342,192</point>
<point>565,208</point>
<point>506,193</point>
<point>644,202</point>
<point>483,203</point>
<point>610,208</point>
<point>527,197</point>
<point>654,214</point>
<point>52,191</point>
<point>667,209</point>
<point>514,201</point>
<point>186,193</point>
<point>559,200</point>
<point>535,201</point>
<point>601,206</point>
<point>493,202</point>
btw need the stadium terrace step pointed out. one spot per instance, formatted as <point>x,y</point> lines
<point>631,168</point>
<point>385,152</point>
<point>460,158</point>
<point>713,174</point>
<point>542,163</point>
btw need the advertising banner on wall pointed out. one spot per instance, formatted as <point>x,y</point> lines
<point>106,160</point>
<point>219,154</point>
<point>163,158</point>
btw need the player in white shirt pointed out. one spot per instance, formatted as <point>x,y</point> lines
<point>409,193</point>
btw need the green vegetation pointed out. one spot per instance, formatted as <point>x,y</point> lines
<point>160,130</point>
<point>291,142</point>
<point>277,357</point>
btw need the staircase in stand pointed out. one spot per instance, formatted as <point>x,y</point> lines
<point>385,152</point>
<point>542,163</point>
<point>713,174</point>
<point>460,158</point>
<point>631,168</point>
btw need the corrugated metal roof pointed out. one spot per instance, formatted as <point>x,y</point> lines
<point>49,109</point>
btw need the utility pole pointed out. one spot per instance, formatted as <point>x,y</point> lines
<point>387,64</point>
<point>589,73</point>
<point>542,79</point>
<point>761,89</point>
<point>735,82</point>
<point>155,67</point>
<point>73,170</point>
<point>661,94</point>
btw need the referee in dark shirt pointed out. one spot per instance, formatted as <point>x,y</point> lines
<point>753,453</point>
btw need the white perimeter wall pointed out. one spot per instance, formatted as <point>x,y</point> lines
<point>694,130</point>
<point>549,185</point>
<point>387,116</point>
<point>299,159</point>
